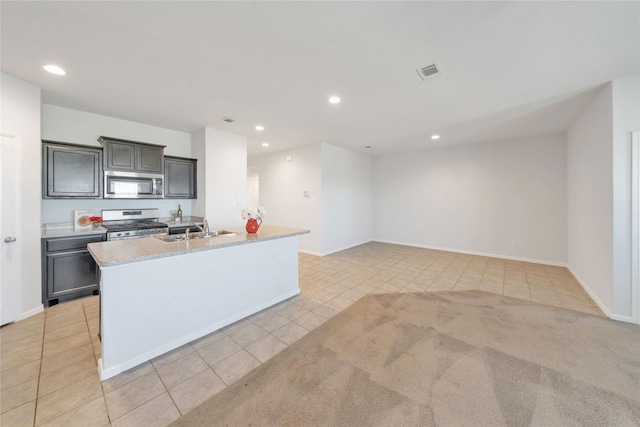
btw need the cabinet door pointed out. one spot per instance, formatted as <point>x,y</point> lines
<point>149,159</point>
<point>119,156</point>
<point>180,178</point>
<point>68,270</point>
<point>71,274</point>
<point>72,172</point>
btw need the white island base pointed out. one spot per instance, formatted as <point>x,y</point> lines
<point>153,306</point>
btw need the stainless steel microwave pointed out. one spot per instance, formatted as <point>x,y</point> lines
<point>132,185</point>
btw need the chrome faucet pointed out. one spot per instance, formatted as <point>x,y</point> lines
<point>199,228</point>
<point>204,229</point>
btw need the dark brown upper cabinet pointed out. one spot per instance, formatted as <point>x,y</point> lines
<point>132,156</point>
<point>71,171</point>
<point>180,178</point>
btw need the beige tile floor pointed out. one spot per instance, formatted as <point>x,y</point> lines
<point>48,361</point>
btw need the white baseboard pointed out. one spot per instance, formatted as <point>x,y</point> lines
<point>592,294</point>
<point>333,251</point>
<point>620,318</point>
<point>304,251</point>
<point>32,312</point>
<point>344,248</point>
<point>601,305</point>
<point>485,254</point>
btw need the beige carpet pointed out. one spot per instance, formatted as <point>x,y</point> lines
<point>447,359</point>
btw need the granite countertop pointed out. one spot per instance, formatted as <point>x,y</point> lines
<point>118,252</point>
<point>67,230</point>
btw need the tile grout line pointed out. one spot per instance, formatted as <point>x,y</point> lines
<point>435,278</point>
<point>482,276</point>
<point>460,275</point>
<point>528,283</point>
<point>44,331</point>
<point>166,389</point>
<point>95,357</point>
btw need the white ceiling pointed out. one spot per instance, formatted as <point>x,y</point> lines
<point>511,69</point>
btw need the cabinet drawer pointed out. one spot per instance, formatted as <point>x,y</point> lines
<point>70,243</point>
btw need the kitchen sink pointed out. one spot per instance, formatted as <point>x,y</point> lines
<point>212,233</point>
<point>193,236</point>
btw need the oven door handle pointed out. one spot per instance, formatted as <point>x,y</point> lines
<point>112,239</point>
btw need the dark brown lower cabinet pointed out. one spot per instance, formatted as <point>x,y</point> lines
<point>68,270</point>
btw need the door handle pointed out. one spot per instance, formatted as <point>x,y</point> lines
<point>9,239</point>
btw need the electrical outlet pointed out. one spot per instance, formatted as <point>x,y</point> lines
<point>306,193</point>
<point>514,243</point>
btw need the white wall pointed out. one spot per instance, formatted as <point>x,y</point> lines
<point>20,114</point>
<point>626,119</point>
<point>226,178</point>
<point>476,198</point>
<point>281,192</point>
<point>599,195</point>
<point>347,198</point>
<point>199,150</point>
<point>589,199</point>
<point>79,127</point>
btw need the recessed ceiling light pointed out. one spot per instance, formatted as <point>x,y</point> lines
<point>54,69</point>
<point>367,146</point>
<point>265,144</point>
<point>259,127</point>
<point>334,100</point>
<point>435,136</point>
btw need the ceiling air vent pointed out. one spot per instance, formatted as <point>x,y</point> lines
<point>429,71</point>
<point>228,120</point>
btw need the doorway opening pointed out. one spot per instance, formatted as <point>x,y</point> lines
<point>253,187</point>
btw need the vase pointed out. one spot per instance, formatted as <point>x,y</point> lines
<point>95,225</point>
<point>253,225</point>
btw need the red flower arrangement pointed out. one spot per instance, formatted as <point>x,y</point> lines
<point>95,220</point>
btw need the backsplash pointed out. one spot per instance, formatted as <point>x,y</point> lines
<point>61,211</point>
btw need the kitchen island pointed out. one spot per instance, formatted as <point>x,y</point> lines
<point>156,296</point>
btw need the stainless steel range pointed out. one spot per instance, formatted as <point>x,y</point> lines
<point>132,223</point>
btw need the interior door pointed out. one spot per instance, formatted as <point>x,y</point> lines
<point>10,253</point>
